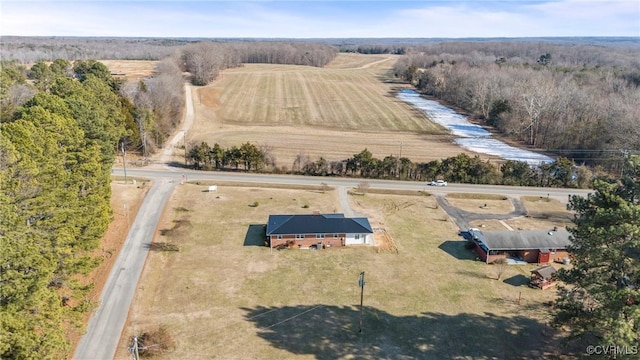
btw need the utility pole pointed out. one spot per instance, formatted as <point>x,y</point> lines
<point>133,349</point>
<point>144,144</point>
<point>398,161</point>
<point>624,160</point>
<point>124,162</point>
<point>184,132</point>
<point>361,284</point>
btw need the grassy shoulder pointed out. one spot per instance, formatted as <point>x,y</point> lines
<point>228,299</point>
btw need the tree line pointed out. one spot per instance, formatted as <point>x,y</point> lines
<point>374,49</point>
<point>461,168</point>
<point>31,49</point>
<point>56,153</point>
<point>205,60</point>
<point>577,104</point>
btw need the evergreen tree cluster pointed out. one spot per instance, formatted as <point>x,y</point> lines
<point>248,155</point>
<point>461,168</point>
<point>600,300</point>
<point>56,153</point>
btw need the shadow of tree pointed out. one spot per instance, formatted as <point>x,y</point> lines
<point>552,216</point>
<point>177,226</point>
<point>163,246</point>
<point>475,274</point>
<point>517,280</point>
<point>332,332</point>
<point>178,164</point>
<point>256,235</point>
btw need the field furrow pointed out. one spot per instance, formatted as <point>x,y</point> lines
<point>323,100</point>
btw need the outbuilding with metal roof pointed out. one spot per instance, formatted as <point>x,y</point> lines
<point>531,246</point>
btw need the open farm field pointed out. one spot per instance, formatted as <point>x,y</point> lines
<point>333,112</point>
<point>131,69</point>
<point>345,98</point>
<point>221,296</point>
<point>377,63</point>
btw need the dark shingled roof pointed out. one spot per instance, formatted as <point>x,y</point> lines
<point>524,239</point>
<point>317,224</point>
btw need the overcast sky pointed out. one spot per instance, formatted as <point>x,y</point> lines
<point>320,19</point>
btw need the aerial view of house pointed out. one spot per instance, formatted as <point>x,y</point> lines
<point>318,230</point>
<point>531,246</point>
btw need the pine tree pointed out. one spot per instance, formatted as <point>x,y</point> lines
<point>601,298</point>
<point>56,152</point>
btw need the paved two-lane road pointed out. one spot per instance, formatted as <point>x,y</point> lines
<point>511,191</point>
<point>105,326</point>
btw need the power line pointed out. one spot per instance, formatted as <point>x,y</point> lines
<point>293,317</point>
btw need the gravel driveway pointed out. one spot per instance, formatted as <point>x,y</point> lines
<point>462,217</point>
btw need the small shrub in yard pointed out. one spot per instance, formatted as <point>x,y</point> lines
<point>501,266</point>
<point>255,204</point>
<point>156,342</point>
<point>305,206</point>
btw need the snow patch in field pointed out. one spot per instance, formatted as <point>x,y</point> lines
<point>471,137</point>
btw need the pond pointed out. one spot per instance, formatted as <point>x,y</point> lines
<point>470,136</point>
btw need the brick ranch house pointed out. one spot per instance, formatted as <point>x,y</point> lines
<point>532,246</point>
<point>320,230</point>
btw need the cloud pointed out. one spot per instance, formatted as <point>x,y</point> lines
<point>527,19</point>
<point>465,21</point>
<point>595,18</point>
<point>304,19</point>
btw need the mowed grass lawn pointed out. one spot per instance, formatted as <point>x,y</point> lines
<point>221,298</point>
<point>333,112</point>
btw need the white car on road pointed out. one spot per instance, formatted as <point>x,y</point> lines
<point>438,183</point>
